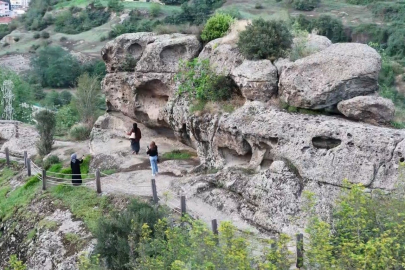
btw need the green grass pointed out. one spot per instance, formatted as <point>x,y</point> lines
<point>109,172</point>
<point>83,202</point>
<point>178,154</point>
<point>74,240</point>
<point>48,224</point>
<point>57,170</point>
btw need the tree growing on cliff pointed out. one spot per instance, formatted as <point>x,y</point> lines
<point>87,98</point>
<point>217,26</point>
<point>265,40</point>
<point>46,124</point>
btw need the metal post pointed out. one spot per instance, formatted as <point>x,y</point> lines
<point>7,157</point>
<point>98,182</point>
<point>29,166</point>
<point>25,159</point>
<point>300,250</point>
<point>43,179</point>
<point>214,226</point>
<point>183,205</point>
<point>154,192</point>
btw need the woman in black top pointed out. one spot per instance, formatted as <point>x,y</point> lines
<point>153,156</point>
<point>76,174</point>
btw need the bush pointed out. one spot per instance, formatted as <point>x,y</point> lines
<point>63,39</point>
<point>87,97</point>
<point>396,44</point>
<point>53,99</point>
<point>46,128</point>
<point>79,132</point>
<point>51,160</point>
<point>65,97</point>
<point>258,6</point>
<point>45,34</point>
<point>37,35</point>
<point>198,80</point>
<point>115,5</point>
<point>306,5</point>
<point>173,2</point>
<point>265,40</point>
<point>66,117</point>
<point>155,10</point>
<point>194,12</point>
<point>330,27</point>
<point>372,33</point>
<point>113,233</point>
<point>217,26</point>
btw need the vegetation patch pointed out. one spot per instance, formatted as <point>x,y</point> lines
<point>217,26</point>
<point>178,155</point>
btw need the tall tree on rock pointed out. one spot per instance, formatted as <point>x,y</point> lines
<point>46,123</point>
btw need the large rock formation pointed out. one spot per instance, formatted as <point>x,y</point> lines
<point>340,72</point>
<point>370,109</point>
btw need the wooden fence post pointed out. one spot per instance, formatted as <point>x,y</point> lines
<point>29,166</point>
<point>7,157</point>
<point>300,250</point>
<point>98,182</point>
<point>183,205</point>
<point>214,226</point>
<point>25,159</point>
<point>154,192</point>
<point>43,179</point>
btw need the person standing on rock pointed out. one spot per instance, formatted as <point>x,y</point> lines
<point>153,156</point>
<point>76,174</point>
<point>135,137</point>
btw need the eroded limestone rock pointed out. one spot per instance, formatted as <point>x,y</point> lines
<point>341,71</point>
<point>370,109</point>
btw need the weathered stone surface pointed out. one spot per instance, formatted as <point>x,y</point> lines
<point>152,53</point>
<point>370,109</point>
<point>322,148</point>
<point>314,43</point>
<point>281,64</point>
<point>18,137</point>
<point>257,80</point>
<point>341,71</point>
<point>223,57</point>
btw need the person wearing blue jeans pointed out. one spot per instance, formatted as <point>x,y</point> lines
<point>153,156</point>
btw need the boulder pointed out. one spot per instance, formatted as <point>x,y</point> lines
<point>257,80</point>
<point>341,71</point>
<point>370,109</point>
<point>281,64</point>
<point>315,43</point>
<point>148,52</point>
<point>223,57</point>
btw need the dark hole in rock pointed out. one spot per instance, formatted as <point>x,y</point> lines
<point>135,50</point>
<point>185,136</point>
<point>324,142</point>
<point>171,54</point>
<point>273,140</point>
<point>233,158</point>
<point>402,159</point>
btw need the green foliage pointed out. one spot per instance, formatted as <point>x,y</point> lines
<point>129,63</point>
<point>34,18</point>
<point>37,35</point>
<point>396,43</point>
<point>117,234</point>
<point>79,132</point>
<point>53,99</point>
<point>77,20</point>
<point>95,69</point>
<point>217,26</point>
<point>258,6</point>
<point>65,97</point>
<point>178,154</point>
<point>87,96</point>
<point>265,40</point>
<point>134,23</point>
<point>194,12</point>
<point>198,80</point>
<point>155,10</point>
<point>46,123</point>
<point>391,11</point>
<point>375,33</point>
<point>306,5</point>
<point>115,5</point>
<point>51,160</point>
<point>4,30</point>
<point>74,240</point>
<point>66,117</point>
<point>360,2</point>
<point>45,35</point>
<point>55,67</point>
<point>15,264</point>
<point>173,2</point>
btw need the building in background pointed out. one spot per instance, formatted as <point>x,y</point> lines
<point>4,9</point>
<point>20,3</point>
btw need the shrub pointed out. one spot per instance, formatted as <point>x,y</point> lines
<point>265,40</point>
<point>173,2</point>
<point>66,117</point>
<point>330,27</point>
<point>258,6</point>
<point>198,80</point>
<point>217,26</point>
<point>63,39</point>
<point>51,160</point>
<point>306,5</point>
<point>37,35</point>
<point>194,12</point>
<point>396,44</point>
<point>65,97</point>
<point>87,96</point>
<point>155,10</point>
<point>113,233</point>
<point>115,5</point>
<point>46,127</point>
<point>79,132</point>
<point>45,34</point>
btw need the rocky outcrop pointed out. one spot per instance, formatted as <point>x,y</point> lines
<point>340,72</point>
<point>312,42</point>
<point>18,137</point>
<point>257,80</point>
<point>370,109</point>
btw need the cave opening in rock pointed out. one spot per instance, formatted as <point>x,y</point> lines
<point>402,159</point>
<point>135,50</point>
<point>233,158</point>
<point>151,98</point>
<point>324,142</point>
<point>170,55</point>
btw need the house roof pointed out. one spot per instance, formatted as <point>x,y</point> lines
<point>5,20</point>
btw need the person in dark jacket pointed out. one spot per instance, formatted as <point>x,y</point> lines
<point>75,165</point>
<point>135,137</point>
<point>153,156</point>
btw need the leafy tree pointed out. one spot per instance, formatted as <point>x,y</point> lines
<point>198,80</point>
<point>330,27</point>
<point>115,5</point>
<point>53,99</point>
<point>87,97</point>
<point>54,67</point>
<point>46,127</point>
<point>217,26</point>
<point>265,40</point>
<point>194,12</point>
<point>306,5</point>
<point>95,69</point>
<point>396,43</point>
<point>65,97</point>
<point>155,10</point>
<point>66,117</point>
